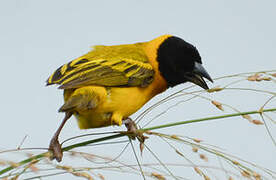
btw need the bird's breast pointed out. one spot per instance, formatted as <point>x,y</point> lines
<point>123,101</point>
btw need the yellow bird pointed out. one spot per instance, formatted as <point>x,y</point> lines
<point>108,84</point>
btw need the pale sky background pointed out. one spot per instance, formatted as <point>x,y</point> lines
<point>39,36</point>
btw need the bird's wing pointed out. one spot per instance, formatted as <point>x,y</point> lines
<point>123,65</point>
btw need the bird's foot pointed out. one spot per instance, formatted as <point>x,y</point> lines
<point>133,132</point>
<point>55,147</point>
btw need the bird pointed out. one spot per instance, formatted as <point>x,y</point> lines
<point>108,84</point>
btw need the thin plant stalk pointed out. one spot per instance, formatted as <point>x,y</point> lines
<point>84,143</point>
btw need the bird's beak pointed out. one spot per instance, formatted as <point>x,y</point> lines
<point>197,76</point>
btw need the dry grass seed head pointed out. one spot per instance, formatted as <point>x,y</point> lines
<point>266,78</point>
<point>257,122</point>
<point>253,77</point>
<point>198,171</point>
<point>197,140</point>
<point>218,105</point>
<point>141,145</point>
<point>174,137</point>
<point>157,176</point>
<point>245,173</point>
<point>203,157</point>
<point>66,168</point>
<point>258,77</point>
<point>82,174</point>
<point>215,89</point>
<point>256,176</point>
<point>195,149</point>
<point>206,177</point>
<point>236,162</point>
<point>250,119</point>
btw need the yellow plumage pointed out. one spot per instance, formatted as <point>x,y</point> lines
<point>110,83</point>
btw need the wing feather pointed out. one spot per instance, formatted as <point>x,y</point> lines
<point>123,65</point>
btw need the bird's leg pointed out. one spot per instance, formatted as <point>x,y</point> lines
<point>55,146</point>
<point>132,128</point>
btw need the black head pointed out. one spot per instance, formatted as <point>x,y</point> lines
<point>180,62</point>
